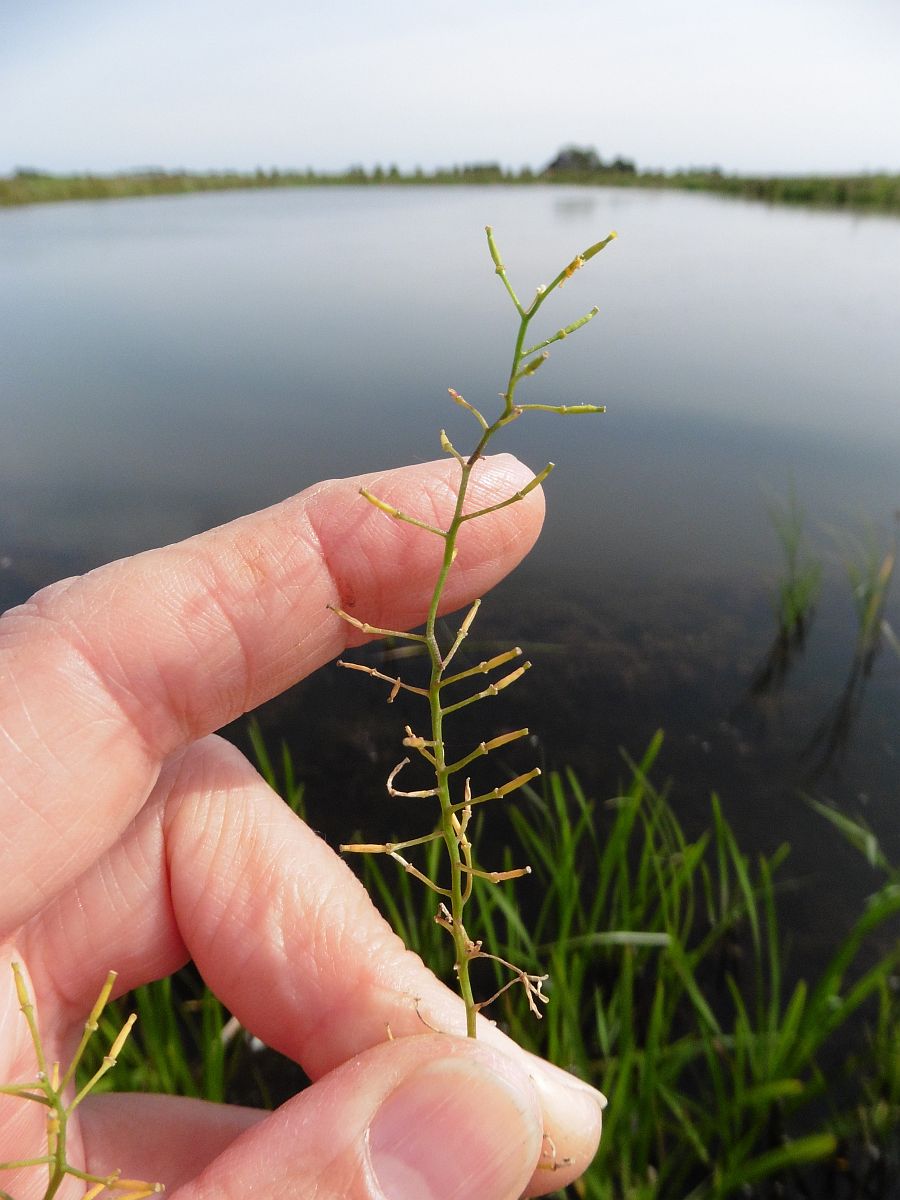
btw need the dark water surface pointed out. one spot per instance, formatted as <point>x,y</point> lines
<point>169,363</point>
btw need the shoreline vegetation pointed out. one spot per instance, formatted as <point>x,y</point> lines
<point>670,990</point>
<point>876,192</point>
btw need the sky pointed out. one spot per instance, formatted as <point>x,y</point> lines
<point>777,86</point>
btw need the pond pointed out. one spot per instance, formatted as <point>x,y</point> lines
<point>170,363</point>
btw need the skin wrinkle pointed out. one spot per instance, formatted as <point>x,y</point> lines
<point>66,1011</point>
<point>318,956</point>
<point>191,610</point>
<point>39,942</point>
<point>20,705</point>
<point>264,923</point>
<point>130,694</point>
<point>344,597</point>
<point>34,807</point>
<point>79,657</point>
<point>73,638</point>
<point>191,619</point>
<point>194,620</point>
<point>262,908</point>
<point>213,606</point>
<point>383,967</point>
<point>327,945</point>
<point>202,832</point>
<point>318,629</point>
<point>61,655</point>
<point>339,534</point>
<point>237,580</point>
<point>174,818</point>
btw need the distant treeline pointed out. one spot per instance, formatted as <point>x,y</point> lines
<point>573,165</point>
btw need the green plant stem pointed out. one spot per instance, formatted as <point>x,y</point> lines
<point>442,775</point>
<point>50,1088</point>
<point>454,815</point>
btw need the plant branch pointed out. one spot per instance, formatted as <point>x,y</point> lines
<point>455,815</point>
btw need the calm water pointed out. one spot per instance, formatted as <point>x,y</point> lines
<point>166,364</point>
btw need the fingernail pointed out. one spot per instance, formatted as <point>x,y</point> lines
<point>570,1106</point>
<point>552,1080</point>
<point>452,1131</point>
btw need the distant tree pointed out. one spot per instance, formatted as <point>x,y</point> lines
<point>575,160</point>
<point>624,166</point>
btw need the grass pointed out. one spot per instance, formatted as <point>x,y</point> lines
<point>870,570</point>
<point>668,992</point>
<point>796,594</point>
<point>861,193</point>
<point>868,193</point>
<point>869,563</point>
<point>801,580</point>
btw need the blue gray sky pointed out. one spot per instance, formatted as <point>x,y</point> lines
<point>784,86</point>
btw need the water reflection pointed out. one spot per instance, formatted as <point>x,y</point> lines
<point>796,594</point>
<point>769,677</point>
<point>576,205</point>
<point>170,363</point>
<point>871,576</point>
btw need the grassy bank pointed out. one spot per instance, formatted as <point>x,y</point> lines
<point>866,193</point>
<point>668,992</point>
<point>872,193</point>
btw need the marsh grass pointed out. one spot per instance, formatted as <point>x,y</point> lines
<point>869,561</point>
<point>865,193</point>
<point>795,596</point>
<point>870,569</point>
<point>667,991</point>
<point>801,580</point>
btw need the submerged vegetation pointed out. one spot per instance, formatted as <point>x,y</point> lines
<point>794,601</point>
<point>875,192</point>
<point>867,560</point>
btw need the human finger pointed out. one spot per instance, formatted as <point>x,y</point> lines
<point>106,675</point>
<point>425,1118</point>
<point>280,929</point>
<point>160,1139</point>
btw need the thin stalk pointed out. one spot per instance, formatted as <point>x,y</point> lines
<point>454,814</point>
<point>50,1090</point>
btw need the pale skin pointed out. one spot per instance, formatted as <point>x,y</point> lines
<point>132,838</point>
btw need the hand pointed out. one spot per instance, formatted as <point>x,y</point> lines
<point>130,838</point>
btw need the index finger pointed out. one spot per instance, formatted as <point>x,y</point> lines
<point>102,677</point>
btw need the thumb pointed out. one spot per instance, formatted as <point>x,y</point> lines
<point>423,1118</point>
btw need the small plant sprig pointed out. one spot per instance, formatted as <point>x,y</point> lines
<point>50,1087</point>
<point>456,804</point>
